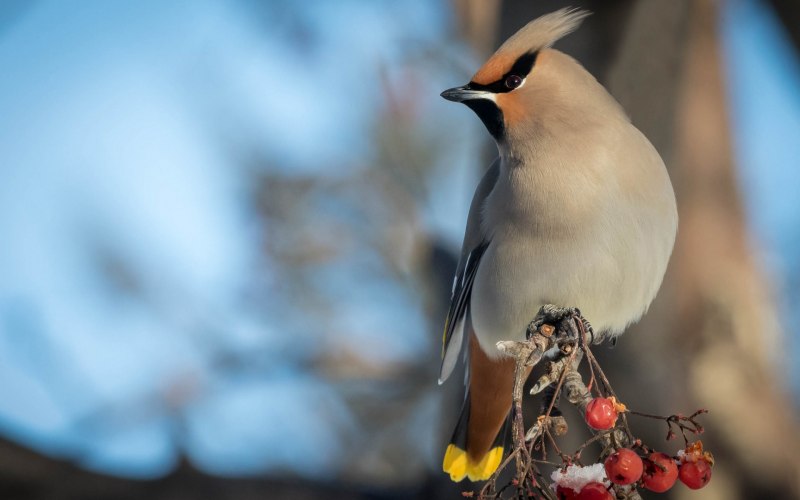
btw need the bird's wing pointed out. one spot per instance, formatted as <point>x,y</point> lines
<point>475,244</point>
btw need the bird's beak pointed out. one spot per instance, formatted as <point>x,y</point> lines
<point>464,93</point>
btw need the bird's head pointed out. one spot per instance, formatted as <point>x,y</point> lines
<point>525,78</point>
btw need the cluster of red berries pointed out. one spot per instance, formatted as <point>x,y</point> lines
<point>658,472</point>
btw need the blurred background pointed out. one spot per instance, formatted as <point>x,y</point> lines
<point>228,231</point>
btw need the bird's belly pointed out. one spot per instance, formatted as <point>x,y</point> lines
<point>611,285</point>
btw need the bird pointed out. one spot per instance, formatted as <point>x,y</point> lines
<point>576,211</point>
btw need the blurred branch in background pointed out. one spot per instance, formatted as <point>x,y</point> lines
<point>789,13</point>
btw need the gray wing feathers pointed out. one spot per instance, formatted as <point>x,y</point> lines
<point>473,235</point>
<point>471,252</point>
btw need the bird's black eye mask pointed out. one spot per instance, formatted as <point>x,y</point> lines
<point>513,77</point>
<point>487,111</point>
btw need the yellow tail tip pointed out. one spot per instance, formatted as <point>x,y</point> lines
<point>486,467</point>
<point>455,462</point>
<point>458,465</point>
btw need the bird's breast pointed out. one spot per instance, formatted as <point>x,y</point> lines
<point>608,260</point>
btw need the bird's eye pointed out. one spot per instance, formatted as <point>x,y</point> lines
<point>513,81</point>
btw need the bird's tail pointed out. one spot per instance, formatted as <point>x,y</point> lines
<point>460,461</point>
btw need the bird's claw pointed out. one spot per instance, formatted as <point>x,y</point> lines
<point>561,319</point>
<point>529,353</point>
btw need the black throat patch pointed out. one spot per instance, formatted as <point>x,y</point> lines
<point>490,115</point>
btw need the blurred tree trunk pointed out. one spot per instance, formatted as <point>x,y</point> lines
<point>726,335</point>
<point>711,338</point>
<point>477,23</point>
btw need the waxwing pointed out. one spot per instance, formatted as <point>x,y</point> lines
<point>577,211</point>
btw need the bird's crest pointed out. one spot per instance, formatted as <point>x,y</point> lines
<point>538,34</point>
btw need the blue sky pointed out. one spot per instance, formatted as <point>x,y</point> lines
<point>119,129</point>
<point>116,143</point>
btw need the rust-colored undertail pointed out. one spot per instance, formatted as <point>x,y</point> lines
<point>476,449</point>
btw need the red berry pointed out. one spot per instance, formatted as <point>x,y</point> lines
<point>695,475</point>
<point>660,472</point>
<point>594,491</point>
<point>601,414</point>
<point>624,466</point>
<point>564,493</point>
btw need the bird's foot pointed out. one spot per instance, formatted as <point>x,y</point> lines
<point>560,320</point>
<point>529,353</point>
